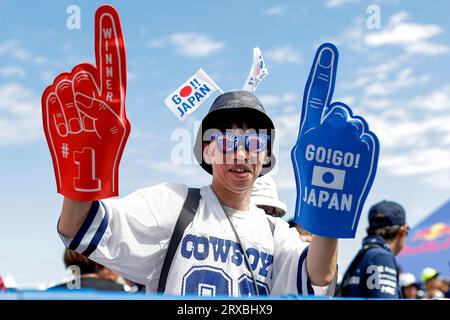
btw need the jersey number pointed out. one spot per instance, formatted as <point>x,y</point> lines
<point>210,281</point>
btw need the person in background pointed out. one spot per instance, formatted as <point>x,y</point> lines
<point>265,196</point>
<point>373,273</point>
<point>410,287</point>
<point>92,275</point>
<point>445,288</point>
<point>436,288</point>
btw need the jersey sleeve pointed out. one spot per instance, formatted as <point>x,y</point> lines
<point>131,235</point>
<point>290,276</point>
<point>381,276</point>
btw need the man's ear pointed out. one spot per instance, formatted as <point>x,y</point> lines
<point>403,231</point>
<point>267,158</point>
<point>208,153</point>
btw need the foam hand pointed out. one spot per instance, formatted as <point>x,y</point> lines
<point>84,117</point>
<point>335,157</point>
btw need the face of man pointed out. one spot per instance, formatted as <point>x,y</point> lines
<point>237,169</point>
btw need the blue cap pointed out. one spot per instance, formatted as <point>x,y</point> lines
<point>386,213</point>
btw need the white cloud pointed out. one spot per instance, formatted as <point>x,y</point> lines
<point>15,51</point>
<point>195,45</point>
<point>413,145</point>
<point>274,11</point>
<point>437,100</point>
<point>377,103</point>
<point>272,100</point>
<point>426,48</point>
<point>157,43</point>
<point>189,44</point>
<point>12,71</point>
<point>423,161</point>
<point>20,115</point>
<point>404,78</point>
<point>338,3</point>
<point>348,100</point>
<point>398,31</point>
<point>47,75</point>
<point>376,86</point>
<point>439,180</point>
<point>286,54</point>
<point>413,37</point>
<point>353,37</point>
<point>7,47</point>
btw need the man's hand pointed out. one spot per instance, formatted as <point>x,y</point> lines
<point>335,157</point>
<point>84,116</point>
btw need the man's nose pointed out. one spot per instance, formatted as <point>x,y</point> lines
<point>241,154</point>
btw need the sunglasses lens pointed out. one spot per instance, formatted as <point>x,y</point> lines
<point>225,143</point>
<point>256,143</point>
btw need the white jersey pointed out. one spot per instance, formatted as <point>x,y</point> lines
<point>131,237</point>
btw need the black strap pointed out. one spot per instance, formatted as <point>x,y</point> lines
<point>186,216</point>
<point>353,264</point>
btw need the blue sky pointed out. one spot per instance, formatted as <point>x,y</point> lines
<point>396,77</point>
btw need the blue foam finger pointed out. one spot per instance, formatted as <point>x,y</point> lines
<point>335,162</point>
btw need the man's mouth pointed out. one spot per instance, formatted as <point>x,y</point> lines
<point>240,169</point>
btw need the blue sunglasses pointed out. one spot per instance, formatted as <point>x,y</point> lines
<point>229,142</point>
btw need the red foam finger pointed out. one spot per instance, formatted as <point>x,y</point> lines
<point>87,103</point>
<point>55,127</point>
<point>65,96</point>
<point>84,80</point>
<point>45,112</point>
<point>84,117</point>
<point>110,57</point>
<point>56,121</point>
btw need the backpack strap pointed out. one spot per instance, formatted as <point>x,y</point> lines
<point>353,264</point>
<point>184,219</point>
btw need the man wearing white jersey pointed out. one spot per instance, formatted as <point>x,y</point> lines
<point>231,245</point>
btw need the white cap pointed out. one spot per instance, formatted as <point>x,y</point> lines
<point>265,193</point>
<point>407,279</point>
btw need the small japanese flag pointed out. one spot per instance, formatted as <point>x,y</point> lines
<point>257,72</point>
<point>191,95</point>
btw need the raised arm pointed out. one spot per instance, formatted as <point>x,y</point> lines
<point>73,214</point>
<point>321,260</point>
